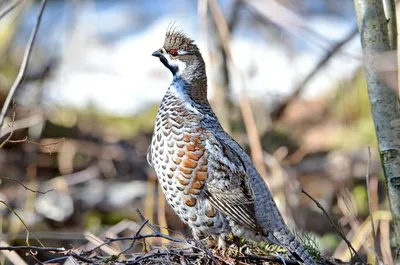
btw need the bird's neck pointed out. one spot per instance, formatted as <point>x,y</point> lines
<point>189,98</point>
<point>193,84</point>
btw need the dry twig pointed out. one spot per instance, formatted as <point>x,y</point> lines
<point>8,8</point>
<point>195,253</point>
<point>247,112</point>
<point>24,64</point>
<point>332,223</point>
<point>280,109</point>
<point>35,248</point>
<point>11,125</point>
<point>23,123</point>
<point>365,231</point>
<point>45,146</point>
<point>29,189</point>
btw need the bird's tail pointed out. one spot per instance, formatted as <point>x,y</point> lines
<point>285,238</point>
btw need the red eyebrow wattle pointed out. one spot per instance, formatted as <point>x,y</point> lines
<point>173,52</point>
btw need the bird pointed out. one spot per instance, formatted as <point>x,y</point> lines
<point>205,175</point>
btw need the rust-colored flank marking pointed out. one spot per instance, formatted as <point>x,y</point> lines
<point>191,202</point>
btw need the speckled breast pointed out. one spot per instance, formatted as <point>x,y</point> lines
<point>179,158</point>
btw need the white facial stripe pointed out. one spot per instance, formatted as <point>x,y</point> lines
<point>182,52</point>
<point>179,64</point>
<point>175,62</point>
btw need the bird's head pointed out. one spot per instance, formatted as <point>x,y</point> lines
<point>180,55</point>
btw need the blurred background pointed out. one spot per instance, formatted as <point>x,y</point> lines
<point>286,72</point>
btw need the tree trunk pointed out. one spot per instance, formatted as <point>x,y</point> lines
<point>384,100</point>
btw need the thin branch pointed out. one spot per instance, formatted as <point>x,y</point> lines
<point>148,256</point>
<point>79,257</point>
<point>111,240</point>
<point>137,234</point>
<point>29,189</point>
<point>18,141</point>
<point>347,206</point>
<point>23,123</point>
<point>8,8</point>
<point>52,261</point>
<point>34,258</point>
<point>282,16</point>
<point>23,223</point>
<point>200,246</point>
<point>156,232</point>
<point>11,125</point>
<point>45,146</point>
<point>11,255</point>
<point>36,248</point>
<point>24,64</point>
<point>222,80</point>
<point>245,106</point>
<point>280,110</point>
<point>332,223</point>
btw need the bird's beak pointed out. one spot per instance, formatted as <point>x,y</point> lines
<point>156,54</point>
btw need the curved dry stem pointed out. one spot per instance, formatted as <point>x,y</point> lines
<point>23,223</point>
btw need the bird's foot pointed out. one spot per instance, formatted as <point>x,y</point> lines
<point>221,243</point>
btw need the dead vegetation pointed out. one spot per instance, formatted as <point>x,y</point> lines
<point>75,185</point>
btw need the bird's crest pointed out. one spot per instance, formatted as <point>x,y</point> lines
<point>177,39</point>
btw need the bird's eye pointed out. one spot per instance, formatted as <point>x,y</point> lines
<point>173,52</point>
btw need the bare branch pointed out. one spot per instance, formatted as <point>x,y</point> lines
<point>280,110</point>
<point>137,234</point>
<point>187,254</point>
<point>332,223</point>
<point>11,125</point>
<point>156,232</point>
<point>23,223</point>
<point>247,112</point>
<point>24,64</point>
<point>11,255</point>
<point>29,189</point>
<point>285,18</point>
<point>45,146</point>
<point>8,8</point>
<point>10,248</point>
<point>23,123</point>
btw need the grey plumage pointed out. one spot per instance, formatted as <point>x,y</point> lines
<point>206,176</point>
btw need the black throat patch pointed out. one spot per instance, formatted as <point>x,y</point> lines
<point>173,69</point>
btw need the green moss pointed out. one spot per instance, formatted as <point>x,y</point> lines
<point>311,245</point>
